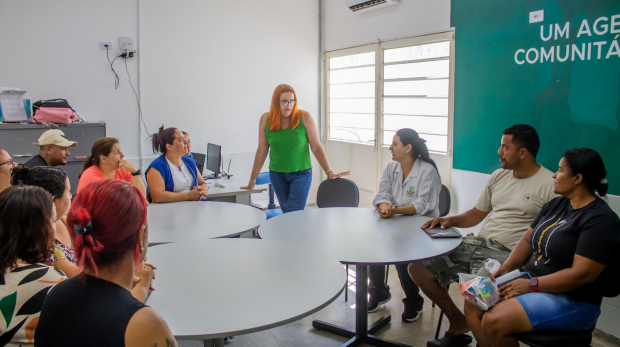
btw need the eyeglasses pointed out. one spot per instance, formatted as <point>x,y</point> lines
<point>287,102</point>
<point>8,162</point>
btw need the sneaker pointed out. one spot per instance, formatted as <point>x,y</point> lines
<point>377,300</point>
<point>410,314</point>
<point>450,340</point>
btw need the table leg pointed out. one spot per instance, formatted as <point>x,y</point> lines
<point>244,199</point>
<point>214,343</point>
<point>363,333</point>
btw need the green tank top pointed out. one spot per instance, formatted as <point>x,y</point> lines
<point>289,149</point>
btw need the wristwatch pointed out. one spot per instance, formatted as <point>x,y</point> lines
<point>534,283</point>
<point>137,173</point>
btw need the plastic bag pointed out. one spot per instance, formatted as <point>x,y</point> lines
<point>479,290</point>
<point>489,266</point>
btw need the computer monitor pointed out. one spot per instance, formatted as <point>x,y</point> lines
<point>200,161</point>
<point>214,159</point>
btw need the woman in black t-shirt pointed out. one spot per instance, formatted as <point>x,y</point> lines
<point>108,225</point>
<point>570,247</point>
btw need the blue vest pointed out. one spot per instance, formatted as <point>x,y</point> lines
<point>161,165</point>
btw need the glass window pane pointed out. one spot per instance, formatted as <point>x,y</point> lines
<point>419,88</point>
<point>355,120</point>
<point>360,74</point>
<point>417,106</point>
<point>428,51</point>
<point>436,143</point>
<point>352,60</point>
<point>352,134</point>
<point>421,124</point>
<point>354,90</point>
<point>352,105</point>
<point>431,69</point>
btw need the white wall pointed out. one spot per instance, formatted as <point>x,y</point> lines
<point>51,49</point>
<point>207,67</point>
<point>210,68</point>
<point>344,28</point>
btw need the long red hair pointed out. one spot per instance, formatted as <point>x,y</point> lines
<point>117,211</point>
<point>274,112</point>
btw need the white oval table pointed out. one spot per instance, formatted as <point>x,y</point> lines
<point>210,289</point>
<point>198,220</point>
<point>358,236</point>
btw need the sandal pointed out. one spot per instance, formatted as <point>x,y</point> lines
<point>451,340</point>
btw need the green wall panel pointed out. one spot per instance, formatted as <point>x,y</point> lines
<point>571,103</point>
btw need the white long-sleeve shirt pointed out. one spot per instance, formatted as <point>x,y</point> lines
<point>421,188</point>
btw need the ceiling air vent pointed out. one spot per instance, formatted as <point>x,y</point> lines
<point>360,6</point>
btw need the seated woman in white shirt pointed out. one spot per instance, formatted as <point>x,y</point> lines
<point>173,177</point>
<point>410,185</point>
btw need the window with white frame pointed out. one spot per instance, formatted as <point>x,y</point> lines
<point>416,92</point>
<point>351,87</point>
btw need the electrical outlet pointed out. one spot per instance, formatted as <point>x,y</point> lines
<point>103,47</point>
<point>126,43</point>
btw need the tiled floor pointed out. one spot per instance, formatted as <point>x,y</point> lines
<point>301,333</point>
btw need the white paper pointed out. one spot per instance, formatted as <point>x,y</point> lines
<point>12,104</point>
<point>537,16</point>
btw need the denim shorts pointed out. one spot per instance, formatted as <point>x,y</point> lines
<point>558,312</point>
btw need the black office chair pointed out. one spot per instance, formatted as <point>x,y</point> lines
<point>445,202</point>
<point>339,192</point>
<point>581,338</point>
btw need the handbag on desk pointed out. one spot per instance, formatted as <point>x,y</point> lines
<point>57,111</point>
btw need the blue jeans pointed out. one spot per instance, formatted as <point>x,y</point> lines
<point>291,188</point>
<point>558,312</point>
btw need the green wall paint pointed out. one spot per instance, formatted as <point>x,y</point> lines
<point>574,103</point>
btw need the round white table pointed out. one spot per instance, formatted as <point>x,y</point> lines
<point>358,236</point>
<point>197,220</point>
<point>210,289</point>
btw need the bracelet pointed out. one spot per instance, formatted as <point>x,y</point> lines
<point>329,171</point>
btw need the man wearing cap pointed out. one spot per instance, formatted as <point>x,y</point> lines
<point>54,149</point>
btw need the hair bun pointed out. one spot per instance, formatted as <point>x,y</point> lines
<point>161,128</point>
<point>19,174</point>
<point>81,216</point>
<point>602,189</point>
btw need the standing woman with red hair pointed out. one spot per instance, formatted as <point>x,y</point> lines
<point>285,133</point>
<point>108,223</point>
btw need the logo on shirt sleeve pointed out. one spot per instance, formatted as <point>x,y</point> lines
<point>410,192</point>
<point>527,197</point>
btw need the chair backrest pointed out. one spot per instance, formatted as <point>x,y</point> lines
<point>444,201</point>
<point>263,178</point>
<point>339,192</point>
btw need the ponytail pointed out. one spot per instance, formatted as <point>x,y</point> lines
<point>104,221</point>
<point>589,164</point>
<point>84,238</point>
<point>410,137</point>
<point>104,147</point>
<point>164,137</point>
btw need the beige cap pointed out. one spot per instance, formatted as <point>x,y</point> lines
<point>54,137</point>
